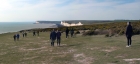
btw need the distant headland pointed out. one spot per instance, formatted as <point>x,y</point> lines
<point>69,23</point>
<point>81,21</point>
<point>60,23</point>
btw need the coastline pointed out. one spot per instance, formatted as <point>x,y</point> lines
<point>28,30</point>
<point>8,27</point>
<point>35,27</point>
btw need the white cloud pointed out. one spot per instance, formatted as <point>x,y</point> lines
<point>25,10</point>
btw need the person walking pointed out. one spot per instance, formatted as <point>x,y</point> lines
<point>52,37</point>
<point>18,36</point>
<point>67,32</point>
<point>128,34</point>
<point>25,34</point>
<point>58,35</point>
<point>72,32</point>
<point>38,33</point>
<point>34,34</point>
<point>14,37</point>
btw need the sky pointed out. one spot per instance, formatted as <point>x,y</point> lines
<point>57,10</point>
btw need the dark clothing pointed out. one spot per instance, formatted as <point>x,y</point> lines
<point>14,37</point>
<point>58,35</point>
<point>52,42</point>
<point>67,35</point>
<point>58,41</point>
<point>67,32</point>
<point>34,33</point>
<point>72,32</point>
<point>18,36</point>
<point>129,31</point>
<point>38,33</point>
<point>25,34</point>
<point>129,41</point>
<point>128,34</point>
<point>52,37</point>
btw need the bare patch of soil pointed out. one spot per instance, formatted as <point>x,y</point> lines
<point>110,49</point>
<point>81,58</point>
<point>132,60</point>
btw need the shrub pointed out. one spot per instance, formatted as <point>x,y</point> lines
<point>91,32</point>
<point>121,32</point>
<point>136,32</point>
<point>107,35</point>
<point>101,32</point>
<point>77,32</point>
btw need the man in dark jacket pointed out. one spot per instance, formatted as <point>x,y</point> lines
<point>38,33</point>
<point>52,37</point>
<point>15,37</point>
<point>67,32</point>
<point>34,34</point>
<point>72,32</point>
<point>18,36</point>
<point>128,34</point>
<point>25,34</point>
<point>58,35</point>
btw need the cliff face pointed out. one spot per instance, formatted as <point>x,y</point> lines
<point>71,24</point>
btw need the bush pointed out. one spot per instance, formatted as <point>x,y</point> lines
<point>107,35</point>
<point>121,32</point>
<point>136,32</point>
<point>101,32</point>
<point>77,32</point>
<point>91,32</point>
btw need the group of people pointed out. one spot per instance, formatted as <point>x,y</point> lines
<point>57,35</point>
<point>54,35</point>
<point>128,33</point>
<point>71,32</point>
<point>34,33</point>
<point>24,34</point>
<point>16,37</point>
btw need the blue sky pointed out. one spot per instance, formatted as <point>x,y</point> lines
<point>33,10</point>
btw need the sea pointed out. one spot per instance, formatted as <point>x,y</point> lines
<point>6,27</point>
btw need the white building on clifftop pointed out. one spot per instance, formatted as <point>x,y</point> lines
<point>72,24</point>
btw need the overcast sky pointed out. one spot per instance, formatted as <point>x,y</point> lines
<point>33,10</point>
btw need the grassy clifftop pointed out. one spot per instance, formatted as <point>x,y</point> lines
<point>79,50</point>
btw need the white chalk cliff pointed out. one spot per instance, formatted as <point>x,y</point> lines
<point>73,24</point>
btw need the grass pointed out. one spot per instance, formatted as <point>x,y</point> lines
<point>79,50</point>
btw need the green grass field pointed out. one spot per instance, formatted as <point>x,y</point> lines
<point>96,49</point>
